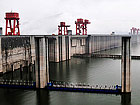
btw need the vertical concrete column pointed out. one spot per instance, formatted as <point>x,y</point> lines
<point>99,39</point>
<point>56,50</point>
<point>119,42</point>
<point>63,48</point>
<point>77,45</point>
<point>115,41</point>
<point>125,65</point>
<point>95,44</point>
<point>108,42</point>
<point>88,44</point>
<point>32,43</point>
<point>60,47</point>
<point>92,45</point>
<point>104,42</point>
<point>47,60</point>
<point>68,48</point>
<point>111,42</point>
<point>80,46</point>
<point>42,75</point>
<point>98,43</point>
<point>1,71</point>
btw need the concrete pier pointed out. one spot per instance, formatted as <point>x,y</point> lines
<point>125,65</point>
<point>56,50</point>
<point>53,46</point>
<point>42,74</point>
<point>62,48</point>
<point>68,47</point>
<point>88,44</point>
<point>32,43</point>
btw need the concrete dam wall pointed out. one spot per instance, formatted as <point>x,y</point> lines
<point>17,50</point>
<point>14,51</point>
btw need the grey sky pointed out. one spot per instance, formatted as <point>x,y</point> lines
<point>43,16</point>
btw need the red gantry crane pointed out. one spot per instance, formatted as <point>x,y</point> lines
<point>12,23</point>
<point>135,31</point>
<point>60,28</point>
<point>81,25</point>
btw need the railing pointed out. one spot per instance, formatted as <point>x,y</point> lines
<point>16,82</point>
<point>81,85</point>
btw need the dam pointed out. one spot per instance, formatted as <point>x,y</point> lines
<point>36,51</point>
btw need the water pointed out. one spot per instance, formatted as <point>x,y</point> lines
<point>99,71</point>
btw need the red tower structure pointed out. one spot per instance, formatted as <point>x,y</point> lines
<point>81,25</point>
<point>60,28</point>
<point>12,23</point>
<point>135,31</point>
<point>85,26</point>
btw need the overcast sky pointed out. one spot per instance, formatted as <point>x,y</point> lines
<point>43,16</point>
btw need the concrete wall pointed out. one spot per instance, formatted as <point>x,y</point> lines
<point>78,46</point>
<point>53,50</point>
<point>18,49</point>
<point>59,48</point>
<point>101,43</point>
<point>32,48</point>
<point>14,51</point>
<point>15,56</point>
<point>93,44</point>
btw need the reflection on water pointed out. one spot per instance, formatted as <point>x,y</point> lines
<point>87,70</point>
<point>126,99</point>
<point>42,97</point>
<point>20,75</point>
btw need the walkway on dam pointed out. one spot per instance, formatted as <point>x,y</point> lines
<point>17,84</point>
<point>103,56</point>
<point>62,86</point>
<point>82,87</point>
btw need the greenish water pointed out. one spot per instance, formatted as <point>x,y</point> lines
<point>88,70</point>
